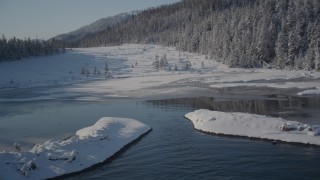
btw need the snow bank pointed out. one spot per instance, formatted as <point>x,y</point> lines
<point>255,126</point>
<point>263,78</point>
<point>90,146</point>
<point>310,92</point>
<point>264,83</point>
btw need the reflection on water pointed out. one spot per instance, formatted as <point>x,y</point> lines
<point>37,121</point>
<point>289,107</point>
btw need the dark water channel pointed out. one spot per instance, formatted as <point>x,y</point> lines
<point>304,109</point>
<point>173,150</point>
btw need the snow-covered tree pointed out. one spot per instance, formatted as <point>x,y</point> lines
<point>106,69</point>
<point>83,71</point>
<point>317,58</point>
<point>163,61</point>
<point>94,71</point>
<point>175,67</point>
<point>281,50</point>
<point>160,63</point>
<point>187,66</point>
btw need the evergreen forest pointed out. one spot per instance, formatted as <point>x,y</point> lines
<point>17,49</point>
<point>247,33</point>
<point>282,34</point>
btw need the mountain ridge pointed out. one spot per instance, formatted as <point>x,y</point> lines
<point>94,27</point>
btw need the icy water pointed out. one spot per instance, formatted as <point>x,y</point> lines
<point>173,150</point>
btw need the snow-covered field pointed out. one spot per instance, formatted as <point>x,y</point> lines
<point>89,146</point>
<point>132,74</point>
<point>255,126</point>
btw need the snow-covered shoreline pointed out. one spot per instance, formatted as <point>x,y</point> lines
<point>254,126</point>
<point>88,147</point>
<point>310,92</point>
<point>135,63</point>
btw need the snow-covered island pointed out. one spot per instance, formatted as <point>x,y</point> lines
<point>89,146</point>
<point>254,126</point>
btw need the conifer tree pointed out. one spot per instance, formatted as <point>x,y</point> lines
<point>106,69</point>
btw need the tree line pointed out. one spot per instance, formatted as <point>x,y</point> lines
<point>16,49</point>
<point>247,33</point>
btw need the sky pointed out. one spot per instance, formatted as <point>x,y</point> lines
<point>44,19</point>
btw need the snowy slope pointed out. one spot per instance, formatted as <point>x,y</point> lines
<point>96,26</point>
<point>256,126</point>
<point>89,146</point>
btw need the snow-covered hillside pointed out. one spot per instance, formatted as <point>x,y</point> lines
<point>96,26</point>
<point>132,73</point>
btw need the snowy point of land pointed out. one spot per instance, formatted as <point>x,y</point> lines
<point>90,146</point>
<point>309,92</point>
<point>254,126</point>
